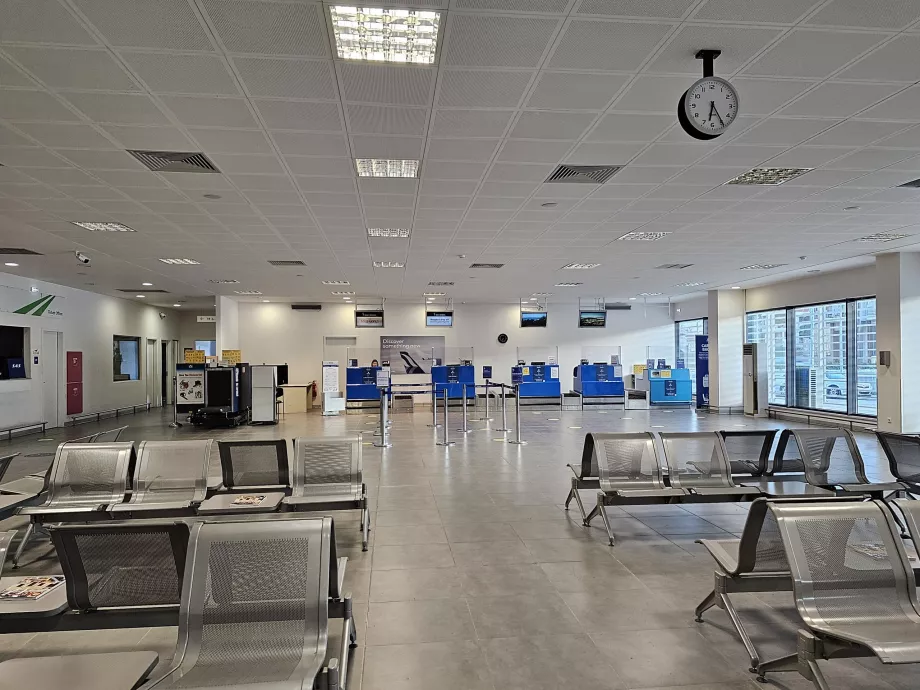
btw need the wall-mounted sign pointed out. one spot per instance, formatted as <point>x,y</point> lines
<point>435,319</point>
<point>369,318</point>
<point>330,377</point>
<point>190,386</point>
<point>231,356</point>
<point>517,375</point>
<point>28,303</point>
<point>412,354</point>
<point>206,319</point>
<point>194,356</point>
<point>670,388</point>
<point>487,372</point>
<point>702,370</point>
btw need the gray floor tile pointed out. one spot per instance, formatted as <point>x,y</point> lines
<point>413,622</point>
<point>415,584</point>
<point>479,531</point>
<point>628,609</point>
<point>491,552</point>
<point>578,576</point>
<point>684,524</point>
<point>557,550</point>
<point>398,535</point>
<point>412,556</point>
<point>458,665</point>
<point>499,580</point>
<point>550,529</point>
<point>522,616</point>
<point>390,518</point>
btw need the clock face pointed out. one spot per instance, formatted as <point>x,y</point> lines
<point>709,107</point>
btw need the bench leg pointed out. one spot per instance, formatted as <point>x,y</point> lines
<point>725,603</point>
<point>365,527</point>
<point>705,605</point>
<point>784,663</point>
<point>22,545</point>
<point>600,508</point>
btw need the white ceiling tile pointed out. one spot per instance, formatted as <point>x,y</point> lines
<point>262,182</point>
<point>126,109</point>
<point>247,26</point>
<point>210,112</point>
<point>738,45</point>
<point>496,41</point>
<point>551,125</point>
<point>62,135</point>
<point>374,119</point>
<point>652,93</point>
<point>470,123</point>
<point>838,100</point>
<point>762,96</point>
<point>149,138</point>
<point>33,105</point>
<point>606,45</point>
<point>102,160</point>
<point>462,149</point>
<point>638,174</point>
<point>518,190</point>
<point>197,181</point>
<point>395,148</point>
<point>784,131</point>
<point>435,187</point>
<point>70,68</point>
<point>319,165</point>
<point>869,159</point>
<point>903,106</point>
<point>530,151</point>
<point>382,185</point>
<point>518,172</point>
<point>444,170</point>
<point>203,75</point>
<point>267,198</point>
<point>665,9</point>
<point>482,89</point>
<point>232,163</point>
<point>674,190</point>
<point>42,21</point>
<point>807,53</point>
<point>604,154</point>
<point>612,190</point>
<point>287,78</point>
<point>309,144</point>
<point>778,11</point>
<point>857,133</point>
<point>231,141</point>
<point>740,154</point>
<point>32,157</point>
<point>630,128</point>
<point>9,138</point>
<point>300,115</point>
<point>127,178</point>
<point>164,24</point>
<point>332,199</point>
<point>881,14</point>
<point>894,61</point>
<point>56,176</point>
<point>671,154</point>
<point>574,91</point>
<point>706,176</point>
<point>389,85</point>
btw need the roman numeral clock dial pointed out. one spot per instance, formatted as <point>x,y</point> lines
<point>708,108</point>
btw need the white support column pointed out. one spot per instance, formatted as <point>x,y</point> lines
<point>897,292</point>
<point>228,324</point>
<point>726,340</point>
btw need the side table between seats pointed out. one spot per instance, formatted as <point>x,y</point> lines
<point>113,671</point>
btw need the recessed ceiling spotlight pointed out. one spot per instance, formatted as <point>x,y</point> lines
<point>736,287</point>
<point>103,227</point>
<point>177,305</point>
<point>642,236</point>
<point>578,267</point>
<point>769,176</point>
<point>549,204</point>
<point>568,284</point>
<point>147,284</point>
<point>212,196</point>
<point>389,264</point>
<point>385,35</point>
<point>632,299</point>
<point>386,167</point>
<point>265,300</point>
<point>395,233</point>
<point>181,262</point>
<point>140,296</point>
<point>11,264</point>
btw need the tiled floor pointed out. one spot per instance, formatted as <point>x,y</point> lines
<point>477,579</point>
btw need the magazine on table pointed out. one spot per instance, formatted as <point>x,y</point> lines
<point>32,588</point>
<point>248,500</point>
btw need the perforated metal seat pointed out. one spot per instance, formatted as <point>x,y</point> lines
<point>255,608</point>
<point>108,436</point>
<point>328,475</point>
<point>122,566</point>
<point>832,460</point>
<point>853,584</point>
<point>697,463</point>
<point>629,472</point>
<point>748,452</point>
<point>586,476</point>
<point>5,462</point>
<point>903,453</point>
<point>254,464</point>
<point>171,476</point>
<point>6,538</point>
<point>786,458</point>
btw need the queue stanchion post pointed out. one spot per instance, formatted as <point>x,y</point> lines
<point>434,406</point>
<point>465,428</point>
<point>504,410</point>
<point>176,424</point>
<point>445,441</point>
<point>487,418</point>
<point>517,417</point>
<point>384,419</point>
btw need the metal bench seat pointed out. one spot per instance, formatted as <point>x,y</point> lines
<point>903,454</point>
<point>786,458</point>
<point>748,452</point>
<point>255,609</point>
<point>171,478</point>
<point>853,583</point>
<point>629,472</point>
<point>697,462</point>
<point>254,465</point>
<point>328,474</point>
<point>833,461</point>
<point>586,475</point>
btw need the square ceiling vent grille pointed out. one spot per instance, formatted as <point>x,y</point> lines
<point>18,250</point>
<point>175,161</point>
<point>287,262</point>
<point>913,184</point>
<point>584,174</point>
<point>481,266</point>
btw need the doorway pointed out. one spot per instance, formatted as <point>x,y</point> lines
<point>52,368</point>
<point>164,372</point>
<point>335,349</point>
<point>152,371</point>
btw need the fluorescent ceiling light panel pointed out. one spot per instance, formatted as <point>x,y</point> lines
<point>760,267</point>
<point>222,281</point>
<point>385,34</point>
<point>386,167</point>
<point>689,284</point>
<point>389,264</point>
<point>396,233</point>
<point>649,294</point>
<point>568,284</point>
<point>578,267</point>
<point>181,262</point>
<point>439,283</point>
<point>769,176</point>
<point>336,282</point>
<point>434,294</point>
<point>882,237</point>
<point>339,294</point>
<point>104,227</point>
<point>642,236</point>
<point>543,294</point>
<point>248,292</point>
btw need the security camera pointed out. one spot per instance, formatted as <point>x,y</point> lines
<point>162,315</point>
<point>82,258</point>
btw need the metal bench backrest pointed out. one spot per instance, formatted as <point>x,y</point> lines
<point>108,436</point>
<point>787,457</point>
<point>588,458</point>
<point>327,467</point>
<point>830,456</point>
<point>748,449</point>
<point>169,471</point>
<point>254,463</point>
<point>848,566</point>
<point>117,566</point>
<point>6,538</point>
<point>910,508</point>
<point>5,462</point>
<point>761,546</point>
<point>255,604</point>
<point>903,453</point>
<point>87,474</point>
<point>627,461</point>
<point>696,459</point>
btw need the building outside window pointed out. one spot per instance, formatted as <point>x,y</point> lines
<point>686,332</point>
<point>820,376</point>
<point>209,347</point>
<point>126,362</point>
<point>866,358</point>
<point>768,330</point>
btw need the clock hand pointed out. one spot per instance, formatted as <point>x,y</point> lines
<point>712,109</point>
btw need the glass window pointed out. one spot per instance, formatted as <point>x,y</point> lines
<point>821,357</point>
<point>208,346</point>
<point>126,358</point>
<point>768,330</point>
<point>686,345</point>
<point>13,350</point>
<point>866,371</point>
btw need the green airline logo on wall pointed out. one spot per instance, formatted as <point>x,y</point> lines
<point>38,307</point>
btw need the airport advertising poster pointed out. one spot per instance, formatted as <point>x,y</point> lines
<point>412,354</point>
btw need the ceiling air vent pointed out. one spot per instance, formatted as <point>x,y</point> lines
<point>146,291</point>
<point>19,250</point>
<point>175,161</point>
<point>439,283</point>
<point>486,265</point>
<point>587,174</point>
<point>287,262</point>
<point>915,184</point>
<point>677,266</point>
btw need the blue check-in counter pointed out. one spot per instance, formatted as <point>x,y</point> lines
<point>599,380</point>
<point>669,387</point>
<point>540,381</point>
<point>361,384</point>
<point>451,378</point>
